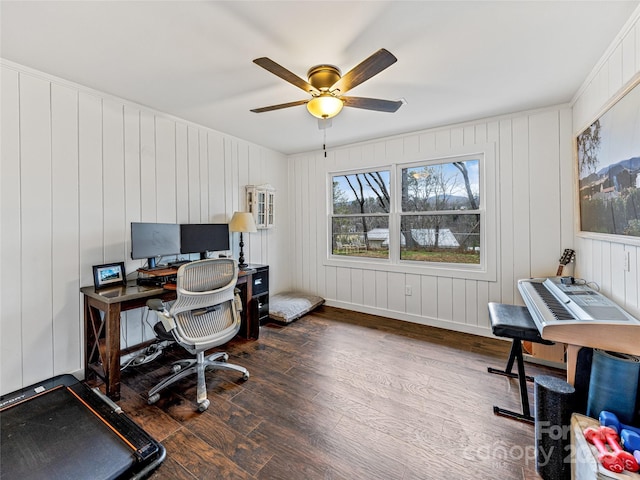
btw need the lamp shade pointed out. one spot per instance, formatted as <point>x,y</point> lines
<point>325,106</point>
<point>242,222</point>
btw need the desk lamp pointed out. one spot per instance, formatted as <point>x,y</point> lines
<point>242,222</point>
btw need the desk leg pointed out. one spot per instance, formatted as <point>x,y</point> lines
<point>89,340</point>
<point>102,344</point>
<point>572,361</point>
<point>111,357</point>
<point>245,285</point>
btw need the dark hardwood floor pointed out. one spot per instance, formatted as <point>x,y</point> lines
<point>342,395</point>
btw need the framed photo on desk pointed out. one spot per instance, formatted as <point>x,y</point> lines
<point>109,275</point>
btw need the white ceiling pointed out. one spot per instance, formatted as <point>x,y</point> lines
<point>457,60</point>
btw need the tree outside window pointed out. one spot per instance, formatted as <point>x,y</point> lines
<point>361,206</point>
<point>440,217</point>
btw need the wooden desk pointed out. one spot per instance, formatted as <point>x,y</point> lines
<point>102,309</point>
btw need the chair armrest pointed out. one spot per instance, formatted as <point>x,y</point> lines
<point>155,304</point>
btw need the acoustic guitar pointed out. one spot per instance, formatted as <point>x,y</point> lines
<point>567,256</point>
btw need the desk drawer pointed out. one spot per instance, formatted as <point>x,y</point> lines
<point>260,283</point>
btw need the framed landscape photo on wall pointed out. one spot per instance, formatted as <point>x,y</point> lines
<point>608,162</point>
<point>109,275</point>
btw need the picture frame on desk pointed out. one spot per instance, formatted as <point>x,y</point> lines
<point>109,275</point>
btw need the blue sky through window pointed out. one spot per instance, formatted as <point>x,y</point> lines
<point>368,192</point>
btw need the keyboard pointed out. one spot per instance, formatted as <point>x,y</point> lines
<point>578,315</point>
<point>553,302</point>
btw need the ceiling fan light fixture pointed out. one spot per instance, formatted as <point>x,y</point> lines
<point>327,86</point>
<point>325,106</point>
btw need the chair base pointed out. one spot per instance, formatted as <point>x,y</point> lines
<point>198,365</point>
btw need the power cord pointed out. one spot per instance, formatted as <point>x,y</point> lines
<point>591,284</point>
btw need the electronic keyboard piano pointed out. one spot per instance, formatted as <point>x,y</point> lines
<point>579,316</point>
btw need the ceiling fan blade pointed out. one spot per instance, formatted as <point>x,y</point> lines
<point>285,74</point>
<point>372,103</point>
<point>364,70</point>
<point>278,107</point>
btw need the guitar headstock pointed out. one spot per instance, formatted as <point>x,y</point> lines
<point>567,256</point>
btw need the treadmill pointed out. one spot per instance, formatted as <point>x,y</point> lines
<point>62,429</point>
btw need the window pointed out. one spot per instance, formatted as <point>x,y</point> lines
<point>435,216</point>
<point>360,214</point>
<point>440,215</point>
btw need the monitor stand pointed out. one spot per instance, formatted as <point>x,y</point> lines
<point>152,265</point>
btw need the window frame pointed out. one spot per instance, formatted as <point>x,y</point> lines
<point>397,202</point>
<point>489,238</point>
<point>387,168</point>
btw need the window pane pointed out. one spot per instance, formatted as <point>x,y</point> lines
<point>364,236</point>
<point>451,238</point>
<point>446,186</point>
<point>361,193</point>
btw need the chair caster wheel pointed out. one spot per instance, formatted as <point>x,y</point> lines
<point>203,406</point>
<point>245,377</point>
<point>224,358</point>
<point>153,398</point>
<point>176,368</point>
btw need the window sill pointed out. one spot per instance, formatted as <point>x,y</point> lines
<point>448,270</point>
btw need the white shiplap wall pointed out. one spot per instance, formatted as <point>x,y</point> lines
<point>77,167</point>
<point>602,260</point>
<point>535,219</point>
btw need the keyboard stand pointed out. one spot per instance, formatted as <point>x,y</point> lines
<point>515,322</point>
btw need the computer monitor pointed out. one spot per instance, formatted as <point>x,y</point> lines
<point>151,240</point>
<point>204,237</point>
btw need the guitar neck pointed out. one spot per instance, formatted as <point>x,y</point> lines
<point>567,256</point>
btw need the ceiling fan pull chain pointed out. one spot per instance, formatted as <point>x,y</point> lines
<point>324,142</point>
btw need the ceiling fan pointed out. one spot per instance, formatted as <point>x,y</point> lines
<point>327,86</point>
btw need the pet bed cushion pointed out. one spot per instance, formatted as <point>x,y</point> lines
<point>289,306</point>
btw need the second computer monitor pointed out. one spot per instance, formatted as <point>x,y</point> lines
<point>152,240</point>
<point>204,237</point>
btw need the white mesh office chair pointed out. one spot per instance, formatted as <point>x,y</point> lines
<point>204,315</point>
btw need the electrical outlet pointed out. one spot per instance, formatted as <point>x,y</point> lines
<point>407,290</point>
